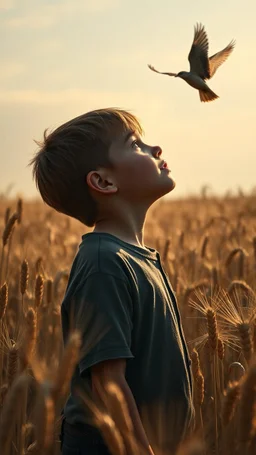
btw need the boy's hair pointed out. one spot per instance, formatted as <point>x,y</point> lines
<point>70,152</point>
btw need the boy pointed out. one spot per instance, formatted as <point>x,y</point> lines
<point>97,169</point>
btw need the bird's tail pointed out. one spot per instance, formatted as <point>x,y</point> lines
<point>207,95</point>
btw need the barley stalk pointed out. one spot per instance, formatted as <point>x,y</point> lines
<point>13,402</point>
<point>254,248</point>
<point>195,362</point>
<point>220,349</point>
<point>182,240</point>
<point>9,228</point>
<point>166,250</point>
<point>19,210</point>
<point>246,408</point>
<point>9,247</point>
<point>67,365</point>
<point>5,237</point>
<point>198,377</point>
<point>49,292</point>
<point>12,367</point>
<point>241,284</point>
<point>200,389</point>
<point>3,393</point>
<point>46,417</point>
<point>3,306</point>
<point>33,449</point>
<point>242,255</point>
<point>231,397</point>
<point>29,341</point>
<point>119,412</point>
<point>193,288</point>
<point>38,265</point>
<point>24,277</point>
<point>215,277</point>
<point>111,435</point>
<point>244,331</point>
<point>3,300</point>
<point>212,328</point>
<point>204,247</point>
<point>29,433</point>
<point>7,215</point>
<point>39,290</point>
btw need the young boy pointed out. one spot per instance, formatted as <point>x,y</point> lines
<point>97,169</point>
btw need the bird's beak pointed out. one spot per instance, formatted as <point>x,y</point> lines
<point>176,75</point>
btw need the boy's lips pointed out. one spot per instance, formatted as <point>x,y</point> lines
<point>164,165</point>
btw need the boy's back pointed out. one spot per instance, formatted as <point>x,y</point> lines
<point>125,288</point>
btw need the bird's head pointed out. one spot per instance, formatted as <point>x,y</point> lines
<point>181,74</point>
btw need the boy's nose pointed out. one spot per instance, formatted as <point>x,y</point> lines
<point>157,151</point>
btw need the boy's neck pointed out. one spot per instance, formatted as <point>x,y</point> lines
<point>128,228</point>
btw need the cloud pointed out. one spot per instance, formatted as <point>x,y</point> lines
<point>50,14</point>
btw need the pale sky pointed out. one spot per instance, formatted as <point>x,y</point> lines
<point>60,58</point>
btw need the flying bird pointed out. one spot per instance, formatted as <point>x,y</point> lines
<point>202,67</point>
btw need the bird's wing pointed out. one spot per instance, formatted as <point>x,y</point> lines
<point>217,59</point>
<point>159,72</point>
<point>198,55</point>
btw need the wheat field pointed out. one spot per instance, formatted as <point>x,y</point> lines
<point>208,247</point>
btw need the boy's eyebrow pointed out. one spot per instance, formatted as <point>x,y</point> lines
<point>128,135</point>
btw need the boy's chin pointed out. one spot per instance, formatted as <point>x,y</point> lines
<point>170,186</point>
<point>166,189</point>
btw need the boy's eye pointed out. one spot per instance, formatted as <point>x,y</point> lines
<point>135,144</point>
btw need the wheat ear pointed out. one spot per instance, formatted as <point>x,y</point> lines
<point>204,247</point>
<point>19,210</point>
<point>198,377</point>
<point>29,341</point>
<point>39,290</point>
<point>119,412</point>
<point>3,300</point>
<point>111,434</point>
<point>5,237</point>
<point>13,403</point>
<point>49,292</point>
<point>67,365</point>
<point>7,215</point>
<point>24,275</point>
<point>244,331</point>
<point>231,396</point>
<point>212,328</point>
<point>12,366</point>
<point>247,404</point>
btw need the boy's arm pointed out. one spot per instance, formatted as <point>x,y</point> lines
<point>114,371</point>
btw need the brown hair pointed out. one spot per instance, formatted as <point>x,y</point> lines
<point>70,152</point>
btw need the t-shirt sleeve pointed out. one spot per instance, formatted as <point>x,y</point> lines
<point>103,312</point>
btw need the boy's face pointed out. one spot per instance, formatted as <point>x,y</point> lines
<point>139,170</point>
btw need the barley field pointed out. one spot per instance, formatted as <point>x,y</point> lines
<point>208,247</point>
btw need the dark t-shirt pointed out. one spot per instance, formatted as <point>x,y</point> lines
<point>120,297</point>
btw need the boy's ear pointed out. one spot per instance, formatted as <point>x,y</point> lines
<point>101,182</point>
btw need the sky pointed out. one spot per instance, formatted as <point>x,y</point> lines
<point>60,58</point>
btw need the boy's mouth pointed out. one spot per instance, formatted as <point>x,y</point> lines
<point>164,165</point>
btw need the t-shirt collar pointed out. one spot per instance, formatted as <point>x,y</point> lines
<point>147,252</point>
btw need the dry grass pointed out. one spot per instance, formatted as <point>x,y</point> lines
<point>208,246</point>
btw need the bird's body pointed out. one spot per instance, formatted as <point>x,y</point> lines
<point>201,66</point>
<point>193,79</point>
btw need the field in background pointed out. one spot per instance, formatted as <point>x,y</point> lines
<point>208,247</point>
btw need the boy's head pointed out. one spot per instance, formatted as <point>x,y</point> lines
<point>94,158</point>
